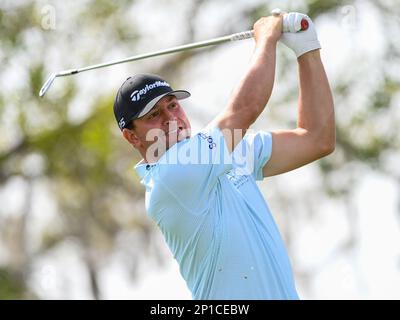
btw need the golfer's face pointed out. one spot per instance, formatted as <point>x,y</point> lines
<point>165,123</point>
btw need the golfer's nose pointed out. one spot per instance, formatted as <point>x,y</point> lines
<point>169,117</point>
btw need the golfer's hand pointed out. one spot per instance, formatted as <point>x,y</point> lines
<point>268,29</point>
<point>303,41</point>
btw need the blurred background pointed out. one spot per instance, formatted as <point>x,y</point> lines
<point>72,217</point>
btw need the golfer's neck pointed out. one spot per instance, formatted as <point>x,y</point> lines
<point>151,157</point>
<point>154,154</point>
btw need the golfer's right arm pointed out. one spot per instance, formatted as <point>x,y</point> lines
<point>250,97</point>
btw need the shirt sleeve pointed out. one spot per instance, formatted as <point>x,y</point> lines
<point>190,169</point>
<point>252,153</point>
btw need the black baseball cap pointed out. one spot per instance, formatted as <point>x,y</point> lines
<point>139,94</point>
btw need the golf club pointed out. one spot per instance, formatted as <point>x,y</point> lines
<point>195,45</point>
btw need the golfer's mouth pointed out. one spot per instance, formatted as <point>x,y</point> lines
<point>175,131</point>
<point>177,135</point>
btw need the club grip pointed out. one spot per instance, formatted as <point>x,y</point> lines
<point>304,24</point>
<point>250,34</point>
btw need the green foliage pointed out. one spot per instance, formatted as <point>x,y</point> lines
<point>383,95</point>
<point>10,287</point>
<point>81,150</point>
<point>318,7</point>
<point>13,23</point>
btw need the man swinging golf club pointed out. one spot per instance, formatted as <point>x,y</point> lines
<point>201,190</point>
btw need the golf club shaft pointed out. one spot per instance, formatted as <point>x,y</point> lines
<point>196,45</point>
<point>215,41</point>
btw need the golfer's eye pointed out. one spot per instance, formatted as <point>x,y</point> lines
<point>173,105</point>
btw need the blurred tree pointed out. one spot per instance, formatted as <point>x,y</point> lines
<point>81,164</point>
<point>366,95</point>
<point>87,167</point>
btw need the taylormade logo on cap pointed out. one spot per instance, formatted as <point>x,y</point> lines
<point>137,94</point>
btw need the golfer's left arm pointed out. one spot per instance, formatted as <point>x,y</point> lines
<point>314,136</point>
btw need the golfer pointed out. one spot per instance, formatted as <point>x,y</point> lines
<point>201,189</point>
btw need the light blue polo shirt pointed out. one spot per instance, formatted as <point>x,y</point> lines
<point>215,220</point>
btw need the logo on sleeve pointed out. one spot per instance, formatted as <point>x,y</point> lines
<point>210,140</point>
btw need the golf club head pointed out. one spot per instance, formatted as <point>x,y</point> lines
<point>47,85</point>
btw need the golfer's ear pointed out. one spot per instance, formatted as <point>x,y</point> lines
<point>131,137</point>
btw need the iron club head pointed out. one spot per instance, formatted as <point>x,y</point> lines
<point>47,84</point>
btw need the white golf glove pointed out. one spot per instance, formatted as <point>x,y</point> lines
<point>302,41</point>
